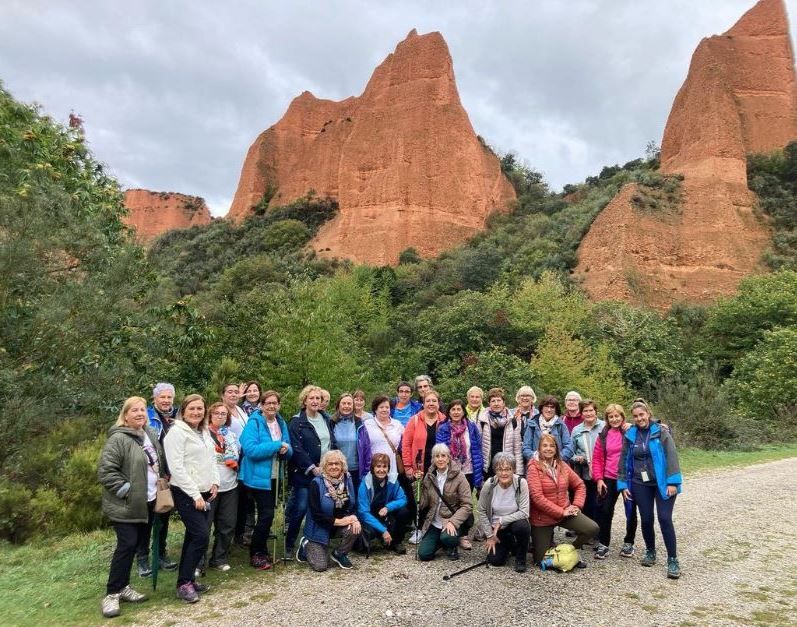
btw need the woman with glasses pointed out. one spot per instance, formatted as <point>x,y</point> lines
<point>547,422</point>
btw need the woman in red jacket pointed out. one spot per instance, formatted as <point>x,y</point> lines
<point>550,483</point>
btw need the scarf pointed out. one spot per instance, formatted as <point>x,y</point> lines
<point>547,425</point>
<point>225,452</point>
<point>498,421</point>
<point>248,407</point>
<point>551,470</point>
<point>337,491</point>
<point>459,449</point>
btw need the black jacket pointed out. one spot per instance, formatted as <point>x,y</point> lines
<point>306,449</point>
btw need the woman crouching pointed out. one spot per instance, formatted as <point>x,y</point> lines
<point>331,507</point>
<point>504,514</point>
<point>382,506</point>
<point>446,499</point>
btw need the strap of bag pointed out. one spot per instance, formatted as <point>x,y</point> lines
<point>442,498</point>
<point>387,439</point>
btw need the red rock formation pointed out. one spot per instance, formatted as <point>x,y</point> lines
<point>739,97</point>
<point>402,160</point>
<point>153,213</point>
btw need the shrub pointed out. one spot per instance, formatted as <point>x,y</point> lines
<point>16,524</point>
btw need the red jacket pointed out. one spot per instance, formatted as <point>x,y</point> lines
<point>549,499</point>
<point>413,441</point>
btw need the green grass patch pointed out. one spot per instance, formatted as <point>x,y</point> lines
<point>697,460</point>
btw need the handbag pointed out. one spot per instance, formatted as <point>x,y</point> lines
<point>396,454</point>
<point>164,501</point>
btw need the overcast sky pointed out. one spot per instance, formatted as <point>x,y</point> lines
<point>174,92</point>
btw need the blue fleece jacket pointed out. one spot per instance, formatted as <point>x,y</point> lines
<point>396,499</point>
<point>258,450</point>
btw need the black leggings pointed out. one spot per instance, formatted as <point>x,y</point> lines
<point>265,502</point>
<point>606,515</point>
<point>645,497</point>
<point>396,522</point>
<point>197,534</point>
<point>513,539</point>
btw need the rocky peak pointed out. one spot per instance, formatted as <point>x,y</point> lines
<point>153,213</point>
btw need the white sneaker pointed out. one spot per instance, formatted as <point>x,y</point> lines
<point>415,537</point>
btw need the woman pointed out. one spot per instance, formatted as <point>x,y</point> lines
<point>311,436</point>
<point>404,407</point>
<point>475,408</point>
<point>359,406</point>
<point>420,435</point>
<point>524,411</point>
<point>352,438</point>
<point>504,514</point>
<point>382,506</point>
<point>446,500</point>
<point>251,397</point>
<point>649,474</point>
<point>191,456</point>
<point>225,509</point>
<point>331,513</point>
<point>572,417</point>
<point>265,445</point>
<point>550,483</point>
<point>384,434</point>
<point>245,519</point>
<point>606,458</point>
<point>500,433</point>
<point>462,438</point>
<point>547,422</point>
<point>583,441</point>
<point>130,465</point>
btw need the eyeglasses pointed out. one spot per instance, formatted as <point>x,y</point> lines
<point>267,403</point>
<point>220,414</point>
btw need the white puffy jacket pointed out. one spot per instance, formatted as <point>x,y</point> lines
<point>191,457</point>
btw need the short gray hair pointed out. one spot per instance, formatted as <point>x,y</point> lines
<point>503,459</point>
<point>423,377</point>
<point>440,448</point>
<point>162,387</point>
<point>572,394</point>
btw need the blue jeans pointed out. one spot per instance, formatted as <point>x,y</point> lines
<point>295,511</point>
<point>645,497</point>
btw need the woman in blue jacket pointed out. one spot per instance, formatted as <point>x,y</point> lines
<point>382,506</point>
<point>265,444</point>
<point>464,441</point>
<point>332,507</point>
<point>352,438</point>
<point>650,475</point>
<point>547,421</point>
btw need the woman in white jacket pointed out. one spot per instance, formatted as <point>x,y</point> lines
<point>191,456</point>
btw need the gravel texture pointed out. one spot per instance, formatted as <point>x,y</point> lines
<point>737,539</point>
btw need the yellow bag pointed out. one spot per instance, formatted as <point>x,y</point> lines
<point>563,557</point>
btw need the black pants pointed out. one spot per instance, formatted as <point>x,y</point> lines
<point>222,517</point>
<point>646,496</point>
<point>513,539</point>
<point>128,536</point>
<point>397,523</point>
<point>265,502</point>
<point>606,515</point>
<point>142,553</point>
<point>197,536</point>
<point>590,508</point>
<point>407,486</point>
<point>245,522</point>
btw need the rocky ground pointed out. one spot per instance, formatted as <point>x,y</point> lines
<point>737,533</point>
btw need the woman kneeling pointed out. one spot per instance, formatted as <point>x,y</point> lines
<point>445,498</point>
<point>331,507</point>
<point>504,514</point>
<point>382,506</point>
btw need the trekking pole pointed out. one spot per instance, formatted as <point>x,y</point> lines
<point>276,501</point>
<point>285,559</point>
<point>417,505</point>
<point>464,570</point>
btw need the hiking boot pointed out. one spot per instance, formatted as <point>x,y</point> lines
<point>342,560</point>
<point>398,548</point>
<point>200,587</point>
<point>453,554</point>
<point>143,567</point>
<point>601,551</point>
<point>415,537</point>
<point>520,565</point>
<point>260,562</point>
<point>131,596</point>
<point>167,564</point>
<point>110,605</point>
<point>627,550</point>
<point>673,568</point>
<point>649,559</point>
<point>187,593</point>
<point>222,567</point>
<point>301,556</point>
<point>465,543</point>
<point>581,564</point>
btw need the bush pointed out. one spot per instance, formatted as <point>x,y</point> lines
<point>16,524</point>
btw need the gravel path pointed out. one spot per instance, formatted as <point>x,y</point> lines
<point>737,547</point>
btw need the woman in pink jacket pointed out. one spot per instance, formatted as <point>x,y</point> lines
<point>605,464</point>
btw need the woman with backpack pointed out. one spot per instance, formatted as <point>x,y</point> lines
<point>547,422</point>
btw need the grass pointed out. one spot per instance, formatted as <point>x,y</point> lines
<point>697,460</point>
<point>60,581</point>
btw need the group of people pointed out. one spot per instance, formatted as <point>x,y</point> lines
<point>412,465</point>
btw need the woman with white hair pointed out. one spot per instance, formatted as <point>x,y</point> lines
<point>475,407</point>
<point>572,416</point>
<point>332,511</point>
<point>446,501</point>
<point>525,410</point>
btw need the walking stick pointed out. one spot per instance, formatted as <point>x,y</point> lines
<point>417,504</point>
<point>276,500</point>
<point>464,570</point>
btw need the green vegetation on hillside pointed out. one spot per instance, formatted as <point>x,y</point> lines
<point>88,318</point>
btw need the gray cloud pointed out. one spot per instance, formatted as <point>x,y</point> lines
<point>173,93</point>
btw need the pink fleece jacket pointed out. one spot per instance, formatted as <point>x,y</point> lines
<point>605,466</point>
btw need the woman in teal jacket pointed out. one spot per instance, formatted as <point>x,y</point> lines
<point>382,506</point>
<point>650,475</point>
<point>265,443</point>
